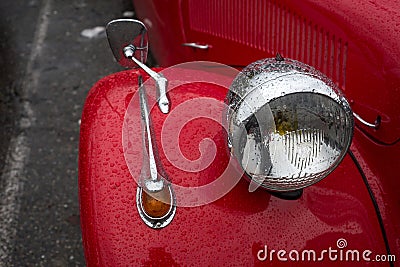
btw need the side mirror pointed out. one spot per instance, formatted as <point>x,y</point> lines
<point>129,43</point>
<point>130,33</point>
<point>155,198</point>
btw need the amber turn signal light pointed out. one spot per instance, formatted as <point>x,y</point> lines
<point>158,204</point>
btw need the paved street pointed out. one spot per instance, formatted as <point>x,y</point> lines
<point>47,67</point>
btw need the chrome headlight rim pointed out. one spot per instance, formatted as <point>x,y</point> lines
<point>273,71</point>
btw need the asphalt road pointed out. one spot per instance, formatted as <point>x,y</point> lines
<point>47,67</point>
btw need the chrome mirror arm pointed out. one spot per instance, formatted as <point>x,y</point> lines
<point>154,183</point>
<point>161,81</point>
<point>155,198</point>
<point>154,192</point>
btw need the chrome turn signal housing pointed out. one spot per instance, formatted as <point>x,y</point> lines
<point>289,126</point>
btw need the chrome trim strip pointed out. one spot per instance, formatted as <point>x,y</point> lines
<point>196,45</point>
<point>374,125</point>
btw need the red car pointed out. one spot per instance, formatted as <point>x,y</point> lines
<point>319,116</point>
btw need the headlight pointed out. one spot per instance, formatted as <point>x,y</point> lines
<point>289,125</point>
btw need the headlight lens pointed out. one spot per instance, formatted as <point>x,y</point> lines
<point>289,125</point>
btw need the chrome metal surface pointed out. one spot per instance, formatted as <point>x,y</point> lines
<point>150,175</point>
<point>129,43</point>
<point>161,81</point>
<point>297,125</point>
<point>153,179</point>
<point>197,46</point>
<point>374,125</point>
<point>128,32</point>
<point>152,222</point>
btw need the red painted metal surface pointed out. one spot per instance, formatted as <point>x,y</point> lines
<point>380,165</point>
<point>355,43</point>
<point>230,231</point>
<point>163,20</point>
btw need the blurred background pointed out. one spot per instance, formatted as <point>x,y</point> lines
<point>52,52</point>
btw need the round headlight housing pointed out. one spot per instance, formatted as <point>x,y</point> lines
<point>289,125</point>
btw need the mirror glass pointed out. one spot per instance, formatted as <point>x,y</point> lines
<point>124,32</point>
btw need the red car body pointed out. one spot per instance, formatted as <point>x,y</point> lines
<point>355,43</point>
